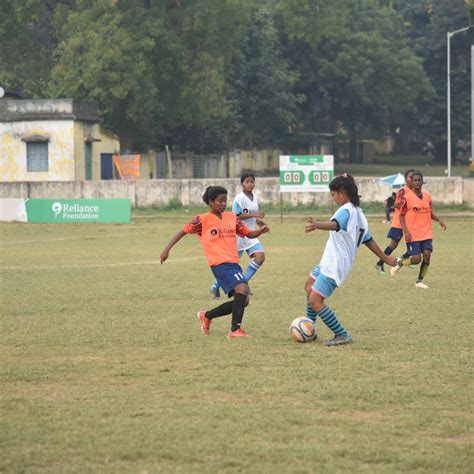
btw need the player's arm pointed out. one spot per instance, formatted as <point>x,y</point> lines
<point>313,224</point>
<point>438,220</point>
<point>374,248</point>
<point>249,215</point>
<point>405,230</point>
<point>174,240</point>
<point>244,231</point>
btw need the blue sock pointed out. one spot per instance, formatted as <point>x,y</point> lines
<point>310,312</point>
<point>215,286</point>
<point>251,270</point>
<point>330,320</point>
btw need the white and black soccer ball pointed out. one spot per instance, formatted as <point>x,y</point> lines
<point>302,329</point>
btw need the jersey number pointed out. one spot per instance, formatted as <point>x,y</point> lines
<point>361,234</point>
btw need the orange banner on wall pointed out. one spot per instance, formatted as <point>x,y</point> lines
<point>128,166</point>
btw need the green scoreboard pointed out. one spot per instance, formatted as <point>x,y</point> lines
<point>306,173</point>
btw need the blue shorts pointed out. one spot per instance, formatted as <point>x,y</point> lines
<point>228,275</point>
<point>323,285</point>
<point>250,251</point>
<point>395,234</point>
<point>417,248</point>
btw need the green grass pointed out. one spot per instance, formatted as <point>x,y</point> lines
<point>104,369</point>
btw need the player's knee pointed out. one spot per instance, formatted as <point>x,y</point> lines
<point>416,259</point>
<point>260,258</point>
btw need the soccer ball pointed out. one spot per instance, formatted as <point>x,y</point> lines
<point>303,330</point>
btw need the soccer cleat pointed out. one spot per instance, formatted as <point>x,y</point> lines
<point>216,294</point>
<point>237,333</point>
<point>421,284</point>
<point>339,341</point>
<point>397,267</point>
<point>380,269</point>
<point>205,323</point>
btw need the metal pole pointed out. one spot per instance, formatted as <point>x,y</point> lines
<point>449,36</point>
<point>472,104</point>
<point>449,104</point>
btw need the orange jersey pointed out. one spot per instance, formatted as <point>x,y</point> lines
<point>399,202</point>
<point>417,214</point>
<point>218,236</point>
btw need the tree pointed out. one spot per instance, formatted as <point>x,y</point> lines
<point>358,77</point>
<point>261,84</point>
<point>427,24</point>
<point>97,58</point>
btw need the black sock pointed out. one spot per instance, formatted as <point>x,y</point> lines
<point>221,310</point>
<point>407,253</point>
<point>238,307</point>
<point>387,251</point>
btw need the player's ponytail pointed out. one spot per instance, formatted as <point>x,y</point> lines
<point>345,183</point>
<point>212,192</point>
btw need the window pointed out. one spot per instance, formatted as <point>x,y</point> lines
<point>37,156</point>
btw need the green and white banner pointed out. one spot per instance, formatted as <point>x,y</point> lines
<point>309,173</point>
<point>66,210</point>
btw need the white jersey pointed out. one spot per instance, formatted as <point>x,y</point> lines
<point>243,205</point>
<point>342,245</point>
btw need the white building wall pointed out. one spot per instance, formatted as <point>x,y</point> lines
<point>13,163</point>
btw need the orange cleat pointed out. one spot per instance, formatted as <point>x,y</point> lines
<point>205,323</point>
<point>237,333</point>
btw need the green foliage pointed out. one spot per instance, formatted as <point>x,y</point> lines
<point>261,84</point>
<point>211,75</point>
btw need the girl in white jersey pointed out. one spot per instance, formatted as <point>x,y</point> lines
<point>348,229</point>
<point>245,205</point>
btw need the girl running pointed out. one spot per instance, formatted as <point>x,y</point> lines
<point>415,217</point>
<point>348,229</point>
<point>395,232</point>
<point>217,230</point>
<point>245,206</point>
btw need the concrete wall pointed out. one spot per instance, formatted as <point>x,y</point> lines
<point>159,192</point>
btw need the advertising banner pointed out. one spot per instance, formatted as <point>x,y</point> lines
<point>128,166</point>
<point>78,210</point>
<point>311,173</point>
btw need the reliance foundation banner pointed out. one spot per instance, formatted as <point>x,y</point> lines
<point>66,210</point>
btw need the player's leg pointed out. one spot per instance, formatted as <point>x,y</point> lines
<point>394,234</point>
<point>310,312</point>
<point>427,249</point>
<point>228,276</point>
<point>257,256</point>
<point>215,291</point>
<point>413,258</point>
<point>322,288</point>
<point>241,300</point>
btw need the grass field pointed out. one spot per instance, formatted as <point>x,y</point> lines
<point>104,369</point>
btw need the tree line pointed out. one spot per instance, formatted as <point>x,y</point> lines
<point>212,75</point>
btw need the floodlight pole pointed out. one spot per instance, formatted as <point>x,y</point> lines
<point>450,34</point>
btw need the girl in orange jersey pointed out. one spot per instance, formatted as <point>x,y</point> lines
<point>415,217</point>
<point>218,230</point>
<point>395,233</point>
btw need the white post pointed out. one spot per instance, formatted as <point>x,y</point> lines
<point>449,104</point>
<point>449,36</point>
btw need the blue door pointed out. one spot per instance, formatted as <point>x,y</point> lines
<point>106,166</point>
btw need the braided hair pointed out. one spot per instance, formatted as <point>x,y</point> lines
<point>345,183</point>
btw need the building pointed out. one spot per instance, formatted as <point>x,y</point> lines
<point>54,140</point>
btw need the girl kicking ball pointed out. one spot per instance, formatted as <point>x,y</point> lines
<point>218,230</point>
<point>348,229</point>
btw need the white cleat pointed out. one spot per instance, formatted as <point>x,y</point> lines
<point>421,284</point>
<point>397,267</point>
